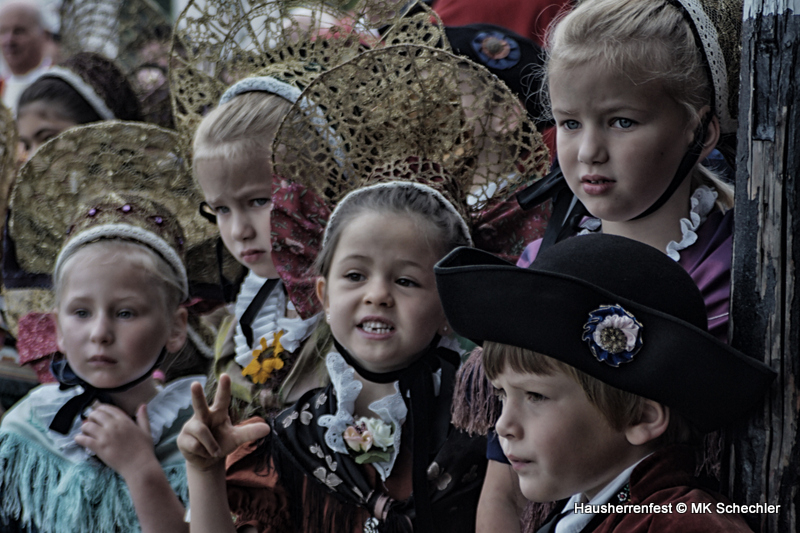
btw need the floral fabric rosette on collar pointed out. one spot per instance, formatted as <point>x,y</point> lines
<point>308,439</point>
<point>370,440</point>
<point>367,440</point>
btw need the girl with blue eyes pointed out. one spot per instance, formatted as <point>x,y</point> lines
<point>639,94</point>
<point>232,150</point>
<point>634,118</point>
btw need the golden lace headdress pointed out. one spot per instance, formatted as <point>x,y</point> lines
<point>411,114</point>
<point>109,179</point>
<point>219,42</point>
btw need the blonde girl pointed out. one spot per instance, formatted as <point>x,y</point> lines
<point>233,147</point>
<point>639,93</point>
<point>96,452</point>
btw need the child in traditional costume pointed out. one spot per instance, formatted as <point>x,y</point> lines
<point>269,225</point>
<point>601,357</point>
<point>430,140</point>
<point>110,211</point>
<point>635,116</point>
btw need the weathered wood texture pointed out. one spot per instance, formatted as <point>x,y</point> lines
<point>764,457</point>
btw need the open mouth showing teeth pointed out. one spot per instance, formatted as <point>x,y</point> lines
<point>376,327</point>
<point>597,182</point>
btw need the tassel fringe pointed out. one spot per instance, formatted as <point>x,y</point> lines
<point>475,407</point>
<point>46,492</point>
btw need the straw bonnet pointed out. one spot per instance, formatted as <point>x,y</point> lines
<point>218,42</point>
<point>109,179</point>
<point>99,81</point>
<point>414,114</point>
<point>509,56</point>
<point>614,308</point>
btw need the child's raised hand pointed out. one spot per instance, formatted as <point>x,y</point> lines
<point>122,444</point>
<point>209,436</point>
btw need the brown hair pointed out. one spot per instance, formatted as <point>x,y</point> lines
<point>620,408</point>
<point>409,200</point>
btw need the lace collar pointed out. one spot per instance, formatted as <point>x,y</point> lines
<point>390,409</point>
<point>701,204</point>
<point>269,320</point>
<point>162,411</point>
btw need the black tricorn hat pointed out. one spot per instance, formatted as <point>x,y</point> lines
<point>614,308</point>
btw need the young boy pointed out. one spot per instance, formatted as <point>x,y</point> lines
<point>601,356</point>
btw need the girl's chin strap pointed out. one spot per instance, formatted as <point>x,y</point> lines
<point>688,162</point>
<point>75,406</point>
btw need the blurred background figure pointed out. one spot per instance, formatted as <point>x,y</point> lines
<point>85,88</point>
<point>27,45</point>
<point>529,18</point>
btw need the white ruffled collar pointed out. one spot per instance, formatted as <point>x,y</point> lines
<point>162,411</point>
<point>390,409</point>
<point>270,319</point>
<point>701,204</point>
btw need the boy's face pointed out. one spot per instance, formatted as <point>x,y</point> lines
<point>558,443</point>
<point>240,193</point>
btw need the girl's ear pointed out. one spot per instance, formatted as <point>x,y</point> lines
<point>322,294</point>
<point>59,335</point>
<point>177,331</point>
<point>445,329</point>
<point>652,424</point>
<point>712,134</point>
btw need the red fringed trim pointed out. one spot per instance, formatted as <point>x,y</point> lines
<point>36,343</point>
<point>475,406</point>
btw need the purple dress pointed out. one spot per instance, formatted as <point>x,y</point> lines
<point>708,261</point>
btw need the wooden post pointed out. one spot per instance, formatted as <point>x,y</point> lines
<point>764,456</point>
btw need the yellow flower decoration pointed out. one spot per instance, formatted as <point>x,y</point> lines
<point>261,369</point>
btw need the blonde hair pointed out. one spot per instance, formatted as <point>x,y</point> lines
<point>620,408</point>
<point>186,361</point>
<point>643,40</point>
<point>242,127</point>
<point>129,252</point>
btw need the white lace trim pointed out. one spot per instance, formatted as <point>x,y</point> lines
<point>269,320</point>
<point>390,409</point>
<point>701,204</point>
<point>264,84</point>
<point>162,411</point>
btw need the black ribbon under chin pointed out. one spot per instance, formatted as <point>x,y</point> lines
<point>416,387</point>
<point>75,406</point>
<point>686,165</point>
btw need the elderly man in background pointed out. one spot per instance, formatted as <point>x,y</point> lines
<point>24,41</point>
